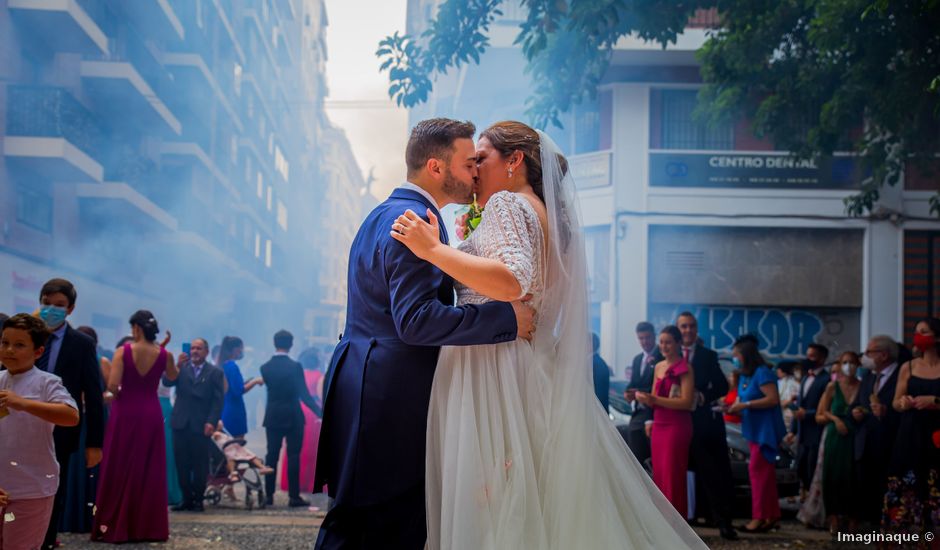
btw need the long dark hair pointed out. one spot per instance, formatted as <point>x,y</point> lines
<point>227,350</point>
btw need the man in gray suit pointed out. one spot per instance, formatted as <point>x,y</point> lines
<point>199,393</point>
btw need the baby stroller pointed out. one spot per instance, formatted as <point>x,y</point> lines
<point>245,473</point>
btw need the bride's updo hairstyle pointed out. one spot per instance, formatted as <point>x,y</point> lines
<point>509,136</point>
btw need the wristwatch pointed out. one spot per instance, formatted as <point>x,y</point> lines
<point>936,401</point>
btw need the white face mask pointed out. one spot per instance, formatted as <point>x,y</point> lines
<point>868,362</point>
<point>847,369</point>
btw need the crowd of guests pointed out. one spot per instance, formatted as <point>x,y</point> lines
<point>106,444</point>
<point>865,428</point>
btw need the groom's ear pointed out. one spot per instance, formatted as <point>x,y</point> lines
<point>435,166</point>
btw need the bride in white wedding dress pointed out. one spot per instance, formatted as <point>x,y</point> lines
<point>520,454</point>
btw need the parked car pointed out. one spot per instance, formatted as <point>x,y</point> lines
<point>788,483</point>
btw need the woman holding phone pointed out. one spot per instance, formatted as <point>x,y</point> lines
<point>234,415</point>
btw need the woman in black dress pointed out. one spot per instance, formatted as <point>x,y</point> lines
<point>912,502</point>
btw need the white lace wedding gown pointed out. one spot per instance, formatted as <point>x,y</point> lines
<point>515,462</point>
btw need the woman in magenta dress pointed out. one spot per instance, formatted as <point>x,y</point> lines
<point>310,359</point>
<point>132,488</point>
<point>671,429</point>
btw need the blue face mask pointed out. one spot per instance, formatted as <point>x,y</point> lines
<point>53,316</point>
<point>736,362</point>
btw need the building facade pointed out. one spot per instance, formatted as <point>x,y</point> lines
<point>681,216</point>
<point>167,154</point>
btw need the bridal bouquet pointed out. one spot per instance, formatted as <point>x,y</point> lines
<point>469,221</point>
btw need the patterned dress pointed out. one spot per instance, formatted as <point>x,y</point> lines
<point>912,503</point>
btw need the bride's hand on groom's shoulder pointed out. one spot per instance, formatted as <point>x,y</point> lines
<point>418,235</point>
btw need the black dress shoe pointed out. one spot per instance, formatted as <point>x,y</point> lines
<point>197,508</point>
<point>727,532</point>
<point>268,501</point>
<point>181,507</point>
<point>298,502</point>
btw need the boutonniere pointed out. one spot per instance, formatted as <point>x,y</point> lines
<point>469,221</point>
<point>936,439</point>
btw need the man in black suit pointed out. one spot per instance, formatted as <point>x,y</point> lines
<point>602,374</point>
<point>283,418</point>
<point>196,412</point>
<point>806,429</point>
<point>877,424</point>
<point>708,455</point>
<point>641,379</point>
<point>71,356</point>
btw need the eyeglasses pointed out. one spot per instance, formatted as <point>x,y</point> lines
<point>871,351</point>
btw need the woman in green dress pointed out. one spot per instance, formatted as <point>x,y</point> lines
<point>834,409</point>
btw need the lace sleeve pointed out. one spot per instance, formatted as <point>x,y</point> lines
<point>505,235</point>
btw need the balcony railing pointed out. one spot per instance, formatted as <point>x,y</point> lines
<point>42,111</point>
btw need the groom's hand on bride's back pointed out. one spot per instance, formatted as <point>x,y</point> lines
<point>525,318</point>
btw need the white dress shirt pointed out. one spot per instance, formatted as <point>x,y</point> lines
<point>418,189</point>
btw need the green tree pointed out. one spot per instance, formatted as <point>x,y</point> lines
<point>815,76</point>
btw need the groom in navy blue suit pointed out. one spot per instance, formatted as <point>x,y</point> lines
<point>378,386</point>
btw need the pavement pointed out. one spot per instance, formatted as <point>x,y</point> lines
<point>229,526</point>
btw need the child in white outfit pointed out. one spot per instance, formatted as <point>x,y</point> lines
<point>32,403</point>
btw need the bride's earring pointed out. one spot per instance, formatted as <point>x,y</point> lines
<point>510,172</point>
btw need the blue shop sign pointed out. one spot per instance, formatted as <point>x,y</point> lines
<point>752,170</point>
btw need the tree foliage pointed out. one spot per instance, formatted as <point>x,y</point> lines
<point>815,76</point>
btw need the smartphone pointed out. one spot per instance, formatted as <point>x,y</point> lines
<point>186,347</point>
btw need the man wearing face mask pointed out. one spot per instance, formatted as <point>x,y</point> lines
<point>805,428</point>
<point>877,423</point>
<point>71,356</point>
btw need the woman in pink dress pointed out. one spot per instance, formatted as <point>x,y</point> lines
<point>671,428</point>
<point>310,360</point>
<point>132,487</point>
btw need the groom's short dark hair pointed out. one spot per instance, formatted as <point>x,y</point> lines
<point>434,138</point>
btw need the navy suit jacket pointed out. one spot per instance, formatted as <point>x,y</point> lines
<point>642,382</point>
<point>809,430</point>
<point>711,382</point>
<point>875,436</point>
<point>377,389</point>
<point>78,367</point>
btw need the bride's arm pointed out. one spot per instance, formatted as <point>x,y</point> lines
<point>488,277</point>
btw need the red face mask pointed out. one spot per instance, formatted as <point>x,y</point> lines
<point>923,342</point>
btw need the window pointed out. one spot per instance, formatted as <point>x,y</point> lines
<point>267,253</point>
<point>270,197</point>
<point>34,208</point>
<point>260,186</point>
<point>282,215</point>
<point>238,76</point>
<point>281,164</point>
<point>681,131</point>
<point>587,124</point>
<point>257,245</point>
<point>234,147</point>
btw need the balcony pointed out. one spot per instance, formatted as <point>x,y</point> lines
<point>192,74</point>
<point>591,170</point>
<point>50,133</point>
<point>188,152</point>
<point>120,202</point>
<point>156,16</point>
<point>126,87</point>
<point>62,25</point>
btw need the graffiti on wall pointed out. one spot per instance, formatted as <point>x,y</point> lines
<point>783,332</point>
